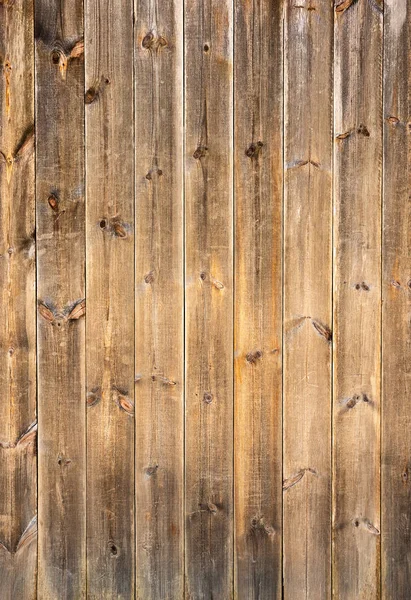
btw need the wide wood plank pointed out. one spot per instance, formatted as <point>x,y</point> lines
<point>357,297</point>
<point>396,351</point>
<point>258,298</point>
<point>307,299</point>
<point>60,293</point>
<point>18,424</point>
<point>110,298</point>
<point>159,299</point>
<point>209,298</point>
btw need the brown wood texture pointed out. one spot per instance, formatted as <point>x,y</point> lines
<point>396,290</point>
<point>205,300</point>
<point>258,99</point>
<point>159,383</point>
<point>109,168</point>
<point>209,298</point>
<point>61,299</point>
<point>308,43</point>
<point>18,421</point>
<point>357,299</point>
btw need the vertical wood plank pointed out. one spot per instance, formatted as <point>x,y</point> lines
<point>18,425</point>
<point>308,49</point>
<point>396,415</point>
<point>159,299</point>
<point>60,292</point>
<point>258,298</point>
<point>357,296</point>
<point>110,298</point>
<point>209,298</point>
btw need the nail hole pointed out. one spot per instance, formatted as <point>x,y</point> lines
<point>103,223</point>
<point>206,47</point>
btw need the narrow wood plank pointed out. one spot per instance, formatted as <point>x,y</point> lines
<point>396,415</point>
<point>357,296</point>
<point>110,298</point>
<point>60,293</point>
<point>308,49</point>
<point>159,299</point>
<point>209,298</point>
<point>18,425</point>
<point>258,298</point>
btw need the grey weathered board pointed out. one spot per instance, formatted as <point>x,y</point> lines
<point>205,232</point>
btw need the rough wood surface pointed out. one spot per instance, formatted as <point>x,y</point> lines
<point>307,299</point>
<point>223,187</point>
<point>396,351</point>
<point>61,298</point>
<point>110,298</point>
<point>159,299</point>
<point>357,299</point>
<point>18,424</point>
<point>209,298</point>
<point>258,298</point>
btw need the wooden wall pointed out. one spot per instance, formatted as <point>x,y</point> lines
<point>205,299</point>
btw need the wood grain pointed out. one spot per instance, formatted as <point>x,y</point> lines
<point>110,298</point>
<point>396,278</point>
<point>18,422</point>
<point>357,297</point>
<point>60,292</point>
<point>258,298</point>
<point>307,299</point>
<point>209,298</point>
<point>159,299</point>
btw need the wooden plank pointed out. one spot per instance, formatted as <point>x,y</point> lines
<point>396,416</point>
<point>209,298</point>
<point>258,298</point>
<point>357,297</point>
<point>60,293</point>
<point>110,298</point>
<point>308,147</point>
<point>159,299</point>
<point>18,424</point>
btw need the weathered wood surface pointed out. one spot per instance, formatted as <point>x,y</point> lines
<point>307,299</point>
<point>18,424</point>
<point>209,298</point>
<point>110,298</point>
<point>225,185</point>
<point>159,299</point>
<point>258,298</point>
<point>357,299</point>
<point>61,299</point>
<point>396,282</point>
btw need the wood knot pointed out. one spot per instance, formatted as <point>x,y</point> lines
<point>150,471</point>
<point>208,397</point>
<point>113,549</point>
<point>62,461</point>
<point>254,149</point>
<point>362,130</point>
<point>123,401</point>
<point>71,312</point>
<point>149,278</point>
<point>114,226</point>
<point>53,202</point>
<point>253,357</point>
<point>362,286</point>
<point>153,42</point>
<point>200,152</point>
<point>94,396</point>
<point>322,329</point>
<point>90,95</point>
